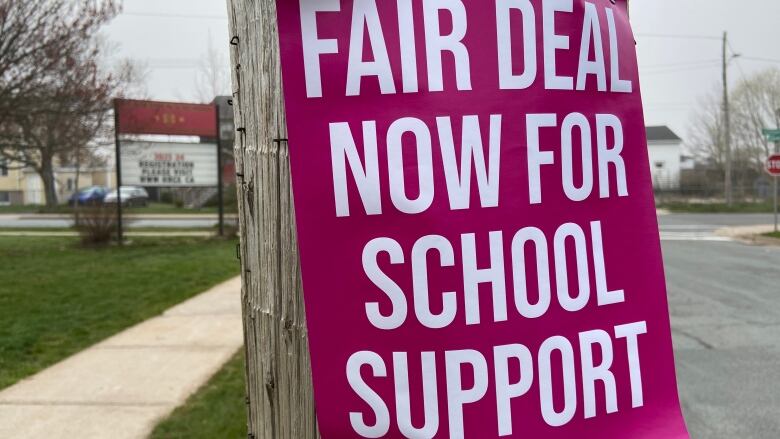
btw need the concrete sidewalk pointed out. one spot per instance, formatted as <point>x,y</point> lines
<point>750,234</point>
<point>123,386</point>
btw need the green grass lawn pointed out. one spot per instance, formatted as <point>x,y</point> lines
<point>217,410</point>
<point>57,298</point>
<point>682,207</point>
<point>773,235</point>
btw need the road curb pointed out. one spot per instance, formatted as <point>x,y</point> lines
<point>750,234</point>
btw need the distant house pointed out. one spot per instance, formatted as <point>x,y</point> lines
<point>11,183</point>
<point>665,151</point>
<point>23,186</point>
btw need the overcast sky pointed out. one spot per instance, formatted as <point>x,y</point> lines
<point>678,43</point>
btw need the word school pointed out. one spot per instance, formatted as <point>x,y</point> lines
<point>366,20</point>
<point>532,294</point>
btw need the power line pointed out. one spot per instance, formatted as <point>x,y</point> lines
<point>668,110</point>
<point>177,61</point>
<point>172,67</point>
<point>759,59</point>
<point>677,70</point>
<point>679,36</point>
<point>741,71</point>
<point>679,64</point>
<point>171,15</point>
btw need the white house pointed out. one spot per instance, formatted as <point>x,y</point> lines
<point>665,151</point>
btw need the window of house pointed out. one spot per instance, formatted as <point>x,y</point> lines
<point>3,168</point>
<point>5,198</point>
<point>659,165</point>
<point>70,184</point>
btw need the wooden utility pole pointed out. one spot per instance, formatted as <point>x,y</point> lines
<point>280,398</point>
<point>727,123</point>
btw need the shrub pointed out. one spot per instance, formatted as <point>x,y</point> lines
<point>231,230</point>
<point>96,225</point>
<point>229,199</point>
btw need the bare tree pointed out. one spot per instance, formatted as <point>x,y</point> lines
<point>36,35</point>
<point>706,132</point>
<point>758,98</point>
<point>213,76</point>
<point>754,104</point>
<point>54,94</point>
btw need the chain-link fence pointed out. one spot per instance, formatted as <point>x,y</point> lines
<point>750,189</point>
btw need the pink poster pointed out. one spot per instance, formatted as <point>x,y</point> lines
<point>478,236</point>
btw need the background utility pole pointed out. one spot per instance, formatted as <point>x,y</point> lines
<point>727,122</point>
<point>279,388</point>
<point>775,178</point>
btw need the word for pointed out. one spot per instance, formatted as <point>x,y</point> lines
<point>606,153</point>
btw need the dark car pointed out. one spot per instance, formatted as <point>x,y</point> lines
<point>129,196</point>
<point>88,197</point>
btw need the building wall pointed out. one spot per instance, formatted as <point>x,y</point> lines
<point>11,185</point>
<point>33,190</point>
<point>65,185</point>
<point>665,164</point>
<point>104,177</point>
<point>66,182</point>
<point>24,186</point>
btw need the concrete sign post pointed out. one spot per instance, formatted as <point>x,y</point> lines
<point>475,222</point>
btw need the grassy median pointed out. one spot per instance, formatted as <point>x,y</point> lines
<point>217,410</point>
<point>57,298</point>
<point>684,207</point>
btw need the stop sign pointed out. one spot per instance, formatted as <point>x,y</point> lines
<point>773,165</point>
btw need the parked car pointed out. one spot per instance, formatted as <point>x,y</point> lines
<point>128,196</point>
<point>90,196</point>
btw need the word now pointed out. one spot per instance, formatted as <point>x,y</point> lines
<point>550,387</point>
<point>366,20</point>
<point>571,299</point>
<point>365,172</point>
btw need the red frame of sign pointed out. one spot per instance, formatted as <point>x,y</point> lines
<point>166,118</point>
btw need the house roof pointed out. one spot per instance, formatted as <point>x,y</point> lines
<point>661,133</point>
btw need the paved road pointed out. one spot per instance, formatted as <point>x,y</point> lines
<point>724,299</point>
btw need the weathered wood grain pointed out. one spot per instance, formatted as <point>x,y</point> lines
<point>280,401</point>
